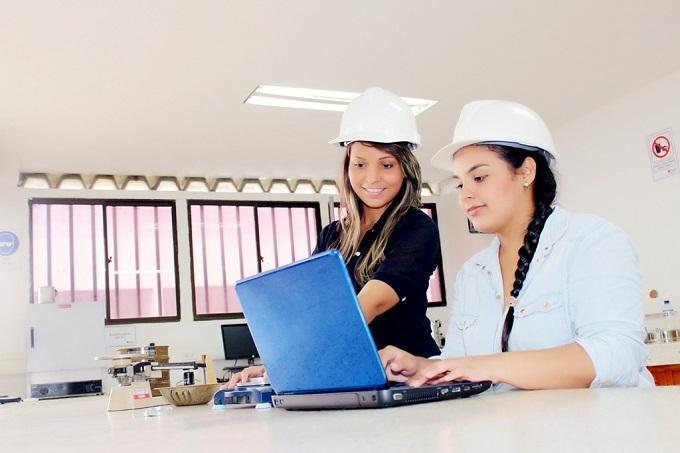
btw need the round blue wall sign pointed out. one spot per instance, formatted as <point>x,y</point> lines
<point>9,243</point>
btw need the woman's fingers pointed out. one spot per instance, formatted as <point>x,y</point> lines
<point>389,354</point>
<point>466,368</point>
<point>399,365</point>
<point>250,372</point>
<point>244,376</point>
<point>436,372</point>
<point>395,376</point>
<point>235,379</point>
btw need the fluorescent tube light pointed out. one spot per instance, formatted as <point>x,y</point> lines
<point>311,99</point>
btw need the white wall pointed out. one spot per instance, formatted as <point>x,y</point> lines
<point>13,270</point>
<point>605,170</point>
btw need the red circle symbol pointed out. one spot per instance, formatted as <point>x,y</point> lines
<point>661,146</point>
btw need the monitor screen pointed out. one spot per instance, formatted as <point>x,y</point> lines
<point>237,342</point>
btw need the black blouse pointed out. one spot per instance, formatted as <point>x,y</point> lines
<point>411,255</point>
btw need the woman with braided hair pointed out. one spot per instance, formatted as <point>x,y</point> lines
<point>555,301</point>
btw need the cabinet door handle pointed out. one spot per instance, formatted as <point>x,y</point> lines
<point>32,337</point>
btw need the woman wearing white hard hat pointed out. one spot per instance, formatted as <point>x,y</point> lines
<point>555,301</point>
<point>390,246</point>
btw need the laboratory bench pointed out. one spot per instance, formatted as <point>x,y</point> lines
<point>594,420</point>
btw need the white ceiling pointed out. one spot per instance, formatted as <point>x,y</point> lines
<point>157,87</point>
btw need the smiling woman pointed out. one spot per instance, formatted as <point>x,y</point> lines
<point>376,175</point>
<point>390,246</point>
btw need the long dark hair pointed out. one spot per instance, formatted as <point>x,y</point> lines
<point>407,198</point>
<point>544,191</point>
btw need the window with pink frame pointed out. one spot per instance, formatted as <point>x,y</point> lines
<point>234,240</point>
<point>121,252</point>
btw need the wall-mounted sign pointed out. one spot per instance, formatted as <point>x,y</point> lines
<point>663,157</point>
<point>120,336</point>
<point>9,243</point>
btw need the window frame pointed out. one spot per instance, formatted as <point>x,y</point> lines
<point>105,202</point>
<point>173,213</point>
<point>50,201</point>
<point>255,204</point>
<point>440,261</point>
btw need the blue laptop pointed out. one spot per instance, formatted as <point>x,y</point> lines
<point>314,341</point>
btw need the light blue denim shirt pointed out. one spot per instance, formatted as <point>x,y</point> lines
<point>583,286</point>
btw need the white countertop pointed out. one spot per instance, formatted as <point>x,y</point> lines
<point>664,354</point>
<point>603,420</point>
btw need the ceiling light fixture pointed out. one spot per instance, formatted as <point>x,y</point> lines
<point>311,99</point>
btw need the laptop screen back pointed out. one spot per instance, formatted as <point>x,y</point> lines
<point>309,329</point>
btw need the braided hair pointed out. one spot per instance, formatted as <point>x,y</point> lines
<point>544,191</point>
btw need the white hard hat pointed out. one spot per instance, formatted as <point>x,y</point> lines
<point>380,116</point>
<point>497,123</point>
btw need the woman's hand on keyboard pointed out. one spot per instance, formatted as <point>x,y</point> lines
<point>245,376</point>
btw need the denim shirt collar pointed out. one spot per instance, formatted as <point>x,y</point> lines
<point>554,229</point>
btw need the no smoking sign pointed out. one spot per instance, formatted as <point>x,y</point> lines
<point>661,146</point>
<point>662,156</point>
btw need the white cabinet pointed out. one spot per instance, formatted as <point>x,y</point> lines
<point>65,338</point>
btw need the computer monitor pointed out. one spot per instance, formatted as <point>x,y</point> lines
<point>238,343</point>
